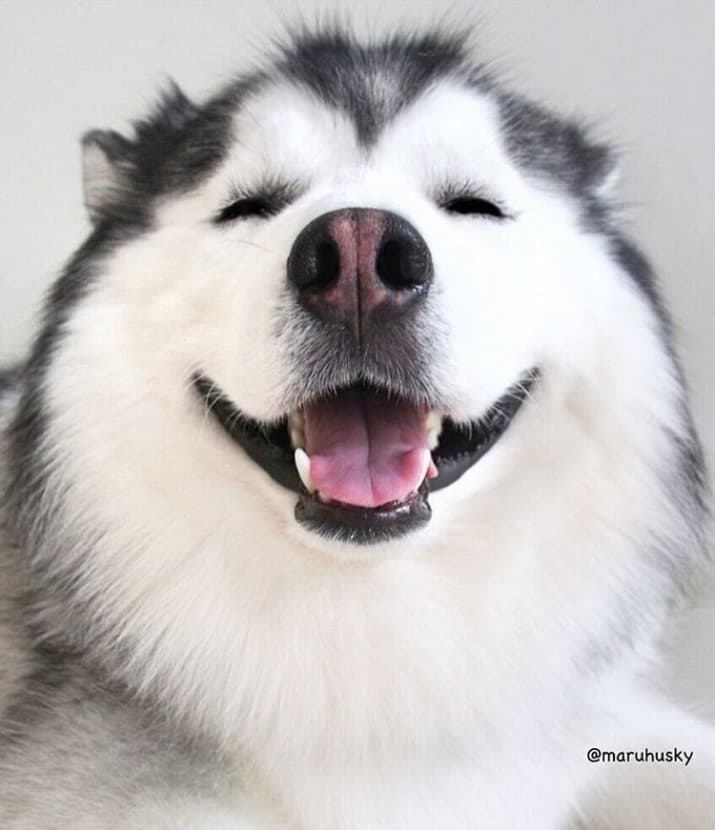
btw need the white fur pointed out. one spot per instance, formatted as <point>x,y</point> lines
<point>431,682</point>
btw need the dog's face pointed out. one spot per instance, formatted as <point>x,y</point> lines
<point>381,273</point>
<point>379,349</point>
<point>361,297</point>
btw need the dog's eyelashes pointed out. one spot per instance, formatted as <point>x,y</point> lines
<point>473,206</point>
<point>260,202</point>
<point>249,208</point>
<point>260,208</point>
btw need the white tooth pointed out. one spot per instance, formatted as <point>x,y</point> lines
<point>433,421</point>
<point>297,438</point>
<point>302,464</point>
<point>323,497</point>
<point>433,426</point>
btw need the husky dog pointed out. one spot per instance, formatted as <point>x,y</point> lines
<point>350,482</point>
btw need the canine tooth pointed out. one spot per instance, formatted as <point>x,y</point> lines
<point>297,438</point>
<point>433,426</point>
<point>302,464</point>
<point>433,420</point>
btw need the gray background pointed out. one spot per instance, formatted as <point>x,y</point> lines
<point>642,70</point>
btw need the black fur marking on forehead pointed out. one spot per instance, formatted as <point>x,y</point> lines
<point>372,83</point>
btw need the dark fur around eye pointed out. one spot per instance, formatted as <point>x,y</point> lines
<point>473,206</point>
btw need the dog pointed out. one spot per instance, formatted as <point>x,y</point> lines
<point>350,481</point>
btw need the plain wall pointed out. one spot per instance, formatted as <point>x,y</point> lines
<point>642,70</point>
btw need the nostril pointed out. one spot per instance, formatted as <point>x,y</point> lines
<point>314,261</point>
<point>327,264</point>
<point>403,264</point>
<point>389,265</point>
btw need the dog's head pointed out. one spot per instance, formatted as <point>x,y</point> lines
<point>362,296</point>
<point>352,272</point>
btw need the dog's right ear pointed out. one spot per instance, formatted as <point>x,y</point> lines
<point>105,162</point>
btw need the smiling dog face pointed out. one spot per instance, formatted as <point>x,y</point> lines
<point>381,279</point>
<point>357,300</point>
<point>362,296</point>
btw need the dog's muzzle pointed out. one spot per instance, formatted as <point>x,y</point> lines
<point>366,441</point>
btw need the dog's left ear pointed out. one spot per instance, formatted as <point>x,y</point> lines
<point>105,156</point>
<point>112,165</point>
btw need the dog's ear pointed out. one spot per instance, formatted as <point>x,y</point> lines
<point>608,177</point>
<point>113,167</point>
<point>105,159</point>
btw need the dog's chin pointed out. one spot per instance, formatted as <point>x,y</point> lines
<point>363,460</point>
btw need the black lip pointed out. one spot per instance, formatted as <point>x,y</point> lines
<point>363,525</point>
<point>460,447</point>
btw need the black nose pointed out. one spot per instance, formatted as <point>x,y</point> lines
<point>359,267</point>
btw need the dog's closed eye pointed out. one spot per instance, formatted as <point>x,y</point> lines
<point>473,206</point>
<point>245,209</point>
<point>261,202</point>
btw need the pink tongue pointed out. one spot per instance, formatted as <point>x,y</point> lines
<point>366,449</point>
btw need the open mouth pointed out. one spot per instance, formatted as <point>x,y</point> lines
<point>364,460</point>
